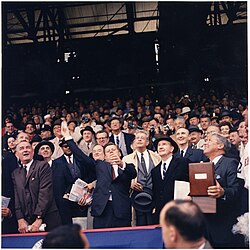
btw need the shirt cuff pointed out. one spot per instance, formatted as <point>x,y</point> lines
<point>123,166</point>
<point>67,138</point>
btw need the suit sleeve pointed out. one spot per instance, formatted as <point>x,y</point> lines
<point>128,173</point>
<point>182,170</point>
<point>79,155</point>
<point>45,193</point>
<point>130,170</point>
<point>19,214</point>
<point>231,187</point>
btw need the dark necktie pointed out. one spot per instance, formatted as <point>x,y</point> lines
<point>113,172</point>
<point>117,141</point>
<point>72,168</point>
<point>164,170</point>
<point>143,164</point>
<point>194,146</point>
<point>25,170</point>
<point>70,162</point>
<point>88,145</point>
<point>182,153</point>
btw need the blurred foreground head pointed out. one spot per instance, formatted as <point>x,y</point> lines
<point>67,236</point>
<point>183,225</point>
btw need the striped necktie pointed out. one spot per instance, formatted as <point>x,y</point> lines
<point>143,164</point>
<point>117,141</point>
<point>164,170</point>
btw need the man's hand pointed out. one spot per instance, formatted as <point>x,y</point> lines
<point>188,198</point>
<point>64,129</point>
<point>82,201</point>
<point>215,191</point>
<point>137,186</point>
<point>116,160</point>
<point>66,196</point>
<point>22,226</point>
<point>35,226</point>
<point>90,186</point>
<point>6,212</point>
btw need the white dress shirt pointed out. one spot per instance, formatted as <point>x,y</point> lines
<point>167,165</point>
<point>146,158</point>
<point>28,166</point>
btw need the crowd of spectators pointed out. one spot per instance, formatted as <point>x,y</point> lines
<point>129,152</point>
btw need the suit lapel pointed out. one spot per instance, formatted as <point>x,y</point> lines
<point>218,163</point>
<point>21,175</point>
<point>188,152</point>
<point>31,170</point>
<point>159,177</point>
<point>109,166</point>
<point>170,170</point>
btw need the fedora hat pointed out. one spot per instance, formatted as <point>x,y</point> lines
<point>185,110</point>
<point>194,128</point>
<point>143,201</point>
<point>169,139</point>
<point>87,128</point>
<point>39,145</point>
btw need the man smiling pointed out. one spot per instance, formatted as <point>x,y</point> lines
<point>166,172</point>
<point>34,199</point>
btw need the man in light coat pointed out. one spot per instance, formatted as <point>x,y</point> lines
<point>140,157</point>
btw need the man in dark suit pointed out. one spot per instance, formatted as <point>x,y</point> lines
<point>166,172</point>
<point>66,170</point>
<point>111,205</point>
<point>34,199</point>
<point>9,164</point>
<point>193,155</point>
<point>121,139</point>
<point>226,192</point>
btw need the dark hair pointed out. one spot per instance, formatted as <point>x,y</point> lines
<point>66,236</point>
<point>225,124</point>
<point>110,144</point>
<point>189,222</point>
<point>102,131</point>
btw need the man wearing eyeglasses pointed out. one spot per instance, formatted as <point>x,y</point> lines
<point>102,137</point>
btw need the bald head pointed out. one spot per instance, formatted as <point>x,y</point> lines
<point>182,136</point>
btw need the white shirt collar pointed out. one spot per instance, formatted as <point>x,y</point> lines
<point>67,158</point>
<point>184,150</point>
<point>28,165</point>
<point>167,164</point>
<point>216,159</point>
<point>50,163</point>
<point>145,154</point>
<point>202,245</point>
<point>119,135</point>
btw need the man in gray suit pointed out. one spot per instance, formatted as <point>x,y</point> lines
<point>34,199</point>
<point>226,192</point>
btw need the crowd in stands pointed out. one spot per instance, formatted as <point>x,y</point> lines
<point>130,152</point>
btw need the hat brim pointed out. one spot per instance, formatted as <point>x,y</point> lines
<point>42,143</point>
<point>169,139</point>
<point>142,201</point>
<point>195,130</point>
